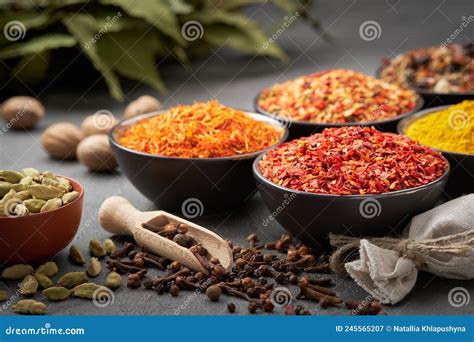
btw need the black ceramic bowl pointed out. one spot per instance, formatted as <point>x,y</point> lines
<point>304,128</point>
<point>191,186</point>
<point>311,217</point>
<point>433,99</point>
<point>461,178</point>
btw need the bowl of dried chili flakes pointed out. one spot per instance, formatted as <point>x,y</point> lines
<point>334,98</point>
<point>349,180</point>
<point>194,159</point>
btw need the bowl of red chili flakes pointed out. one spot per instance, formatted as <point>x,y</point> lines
<point>194,159</point>
<point>335,98</point>
<point>349,180</point>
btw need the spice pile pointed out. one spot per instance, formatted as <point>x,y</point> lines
<point>352,160</point>
<point>30,191</point>
<point>201,130</point>
<point>337,96</point>
<point>451,129</point>
<point>442,69</point>
<point>260,271</point>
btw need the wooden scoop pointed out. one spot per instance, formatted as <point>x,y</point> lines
<point>118,216</point>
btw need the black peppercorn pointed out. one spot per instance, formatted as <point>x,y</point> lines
<point>231,307</point>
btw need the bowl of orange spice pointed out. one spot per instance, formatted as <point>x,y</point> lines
<point>195,159</point>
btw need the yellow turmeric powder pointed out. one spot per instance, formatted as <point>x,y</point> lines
<point>450,130</point>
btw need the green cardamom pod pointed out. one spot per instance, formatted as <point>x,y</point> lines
<point>48,269</point>
<point>17,272</point>
<point>24,195</point>
<point>29,286</point>
<point>19,187</point>
<point>94,268</point>
<point>10,176</point>
<point>55,183</point>
<point>3,296</point>
<point>73,279</point>
<point>46,192</point>
<point>76,256</point>
<point>26,181</point>
<point>30,172</point>
<point>66,184</point>
<point>96,249</point>
<point>8,196</point>
<point>34,205</point>
<point>29,307</point>
<point>88,290</point>
<point>53,203</point>
<point>113,280</point>
<point>5,187</point>
<point>57,293</point>
<point>43,281</point>
<point>109,246</point>
<point>68,197</point>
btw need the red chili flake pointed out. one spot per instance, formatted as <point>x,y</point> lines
<point>352,161</point>
<point>337,96</point>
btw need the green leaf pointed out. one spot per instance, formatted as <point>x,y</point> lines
<point>180,6</point>
<point>32,69</point>
<point>157,13</point>
<point>238,31</point>
<point>84,28</point>
<point>39,44</point>
<point>133,55</point>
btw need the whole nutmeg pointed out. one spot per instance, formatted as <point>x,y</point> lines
<point>60,140</point>
<point>99,123</point>
<point>22,112</point>
<point>143,104</point>
<point>95,153</point>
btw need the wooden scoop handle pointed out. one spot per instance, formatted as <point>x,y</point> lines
<point>118,216</point>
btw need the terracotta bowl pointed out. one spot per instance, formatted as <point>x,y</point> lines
<point>36,238</point>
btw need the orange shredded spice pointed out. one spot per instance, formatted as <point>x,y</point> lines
<point>200,130</point>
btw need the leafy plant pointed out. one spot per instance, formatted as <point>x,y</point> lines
<point>126,38</point>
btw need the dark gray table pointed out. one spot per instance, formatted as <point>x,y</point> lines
<point>235,80</point>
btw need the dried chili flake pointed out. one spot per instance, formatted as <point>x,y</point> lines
<point>352,161</point>
<point>337,96</point>
<point>201,130</point>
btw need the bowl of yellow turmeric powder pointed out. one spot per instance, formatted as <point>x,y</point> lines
<point>449,130</point>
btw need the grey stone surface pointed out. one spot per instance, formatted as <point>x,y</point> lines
<point>235,80</point>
